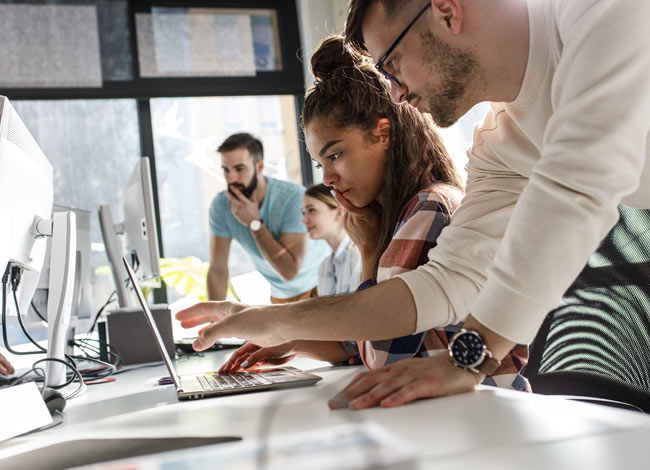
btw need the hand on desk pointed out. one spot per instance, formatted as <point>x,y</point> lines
<point>5,366</point>
<point>404,382</point>
<point>226,319</point>
<point>251,354</point>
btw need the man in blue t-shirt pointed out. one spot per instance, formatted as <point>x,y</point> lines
<point>264,215</point>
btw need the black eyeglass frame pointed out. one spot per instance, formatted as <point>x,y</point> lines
<point>380,64</point>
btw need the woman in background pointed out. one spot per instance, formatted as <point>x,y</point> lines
<point>339,273</point>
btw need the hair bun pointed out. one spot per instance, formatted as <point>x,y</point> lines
<point>332,55</point>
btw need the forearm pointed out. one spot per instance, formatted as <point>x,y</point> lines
<point>330,351</point>
<point>277,255</point>
<point>367,266</point>
<point>383,311</point>
<point>217,284</point>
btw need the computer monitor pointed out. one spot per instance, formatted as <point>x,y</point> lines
<point>26,196</point>
<point>135,235</point>
<point>81,317</point>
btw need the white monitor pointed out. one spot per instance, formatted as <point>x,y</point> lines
<point>26,196</point>
<point>26,192</point>
<point>135,234</point>
<point>81,317</point>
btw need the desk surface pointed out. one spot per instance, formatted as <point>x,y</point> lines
<point>489,428</point>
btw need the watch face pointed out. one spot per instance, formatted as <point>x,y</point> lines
<point>467,349</point>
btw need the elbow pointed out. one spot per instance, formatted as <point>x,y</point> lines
<point>290,273</point>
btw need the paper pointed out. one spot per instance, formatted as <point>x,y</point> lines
<point>22,409</point>
<point>346,447</point>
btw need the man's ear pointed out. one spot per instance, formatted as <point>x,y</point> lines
<point>448,15</point>
<point>259,166</point>
<point>382,131</point>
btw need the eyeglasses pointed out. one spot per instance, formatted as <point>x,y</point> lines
<point>380,64</point>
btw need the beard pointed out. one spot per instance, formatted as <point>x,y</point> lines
<point>457,68</point>
<point>245,190</point>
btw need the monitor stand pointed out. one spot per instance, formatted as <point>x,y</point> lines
<point>61,287</point>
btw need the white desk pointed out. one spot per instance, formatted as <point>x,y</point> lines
<point>489,428</point>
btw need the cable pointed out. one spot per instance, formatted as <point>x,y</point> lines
<point>98,372</point>
<point>37,312</point>
<point>153,364</point>
<point>58,418</point>
<point>75,372</point>
<point>15,272</point>
<point>22,326</point>
<point>5,282</point>
<point>19,380</point>
<point>101,310</point>
<point>110,350</point>
<point>69,362</point>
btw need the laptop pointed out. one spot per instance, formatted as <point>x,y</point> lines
<point>210,384</point>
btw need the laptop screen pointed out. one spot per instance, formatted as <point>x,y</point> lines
<point>152,323</point>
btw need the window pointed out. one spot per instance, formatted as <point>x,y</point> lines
<point>187,132</point>
<point>95,112</point>
<point>37,38</point>
<point>91,141</point>
<point>174,42</point>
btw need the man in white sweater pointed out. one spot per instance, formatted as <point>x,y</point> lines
<point>566,140</point>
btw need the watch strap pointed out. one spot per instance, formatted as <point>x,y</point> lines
<point>489,365</point>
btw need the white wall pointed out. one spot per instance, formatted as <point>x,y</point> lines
<point>318,19</point>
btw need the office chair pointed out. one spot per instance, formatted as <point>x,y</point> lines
<point>596,345</point>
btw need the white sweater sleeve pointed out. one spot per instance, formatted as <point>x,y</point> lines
<point>593,154</point>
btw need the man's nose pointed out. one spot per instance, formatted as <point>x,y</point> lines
<point>398,93</point>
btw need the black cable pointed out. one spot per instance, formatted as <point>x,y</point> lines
<point>37,312</point>
<point>16,273</point>
<point>5,282</point>
<point>97,373</point>
<point>109,350</point>
<point>22,326</point>
<point>153,364</point>
<point>102,372</point>
<point>19,380</point>
<point>136,265</point>
<point>97,350</point>
<point>75,373</point>
<point>84,347</point>
<point>69,362</point>
<point>101,310</point>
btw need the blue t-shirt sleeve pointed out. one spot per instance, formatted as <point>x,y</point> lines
<point>292,214</point>
<point>218,215</point>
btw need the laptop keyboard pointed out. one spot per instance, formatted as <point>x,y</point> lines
<point>212,382</point>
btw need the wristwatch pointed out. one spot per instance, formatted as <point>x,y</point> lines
<point>255,225</point>
<point>468,351</point>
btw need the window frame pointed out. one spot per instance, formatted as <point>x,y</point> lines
<point>288,81</point>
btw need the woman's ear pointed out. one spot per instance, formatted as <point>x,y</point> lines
<point>339,213</point>
<point>382,131</point>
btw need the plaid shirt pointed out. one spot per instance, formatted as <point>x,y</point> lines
<point>418,226</point>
